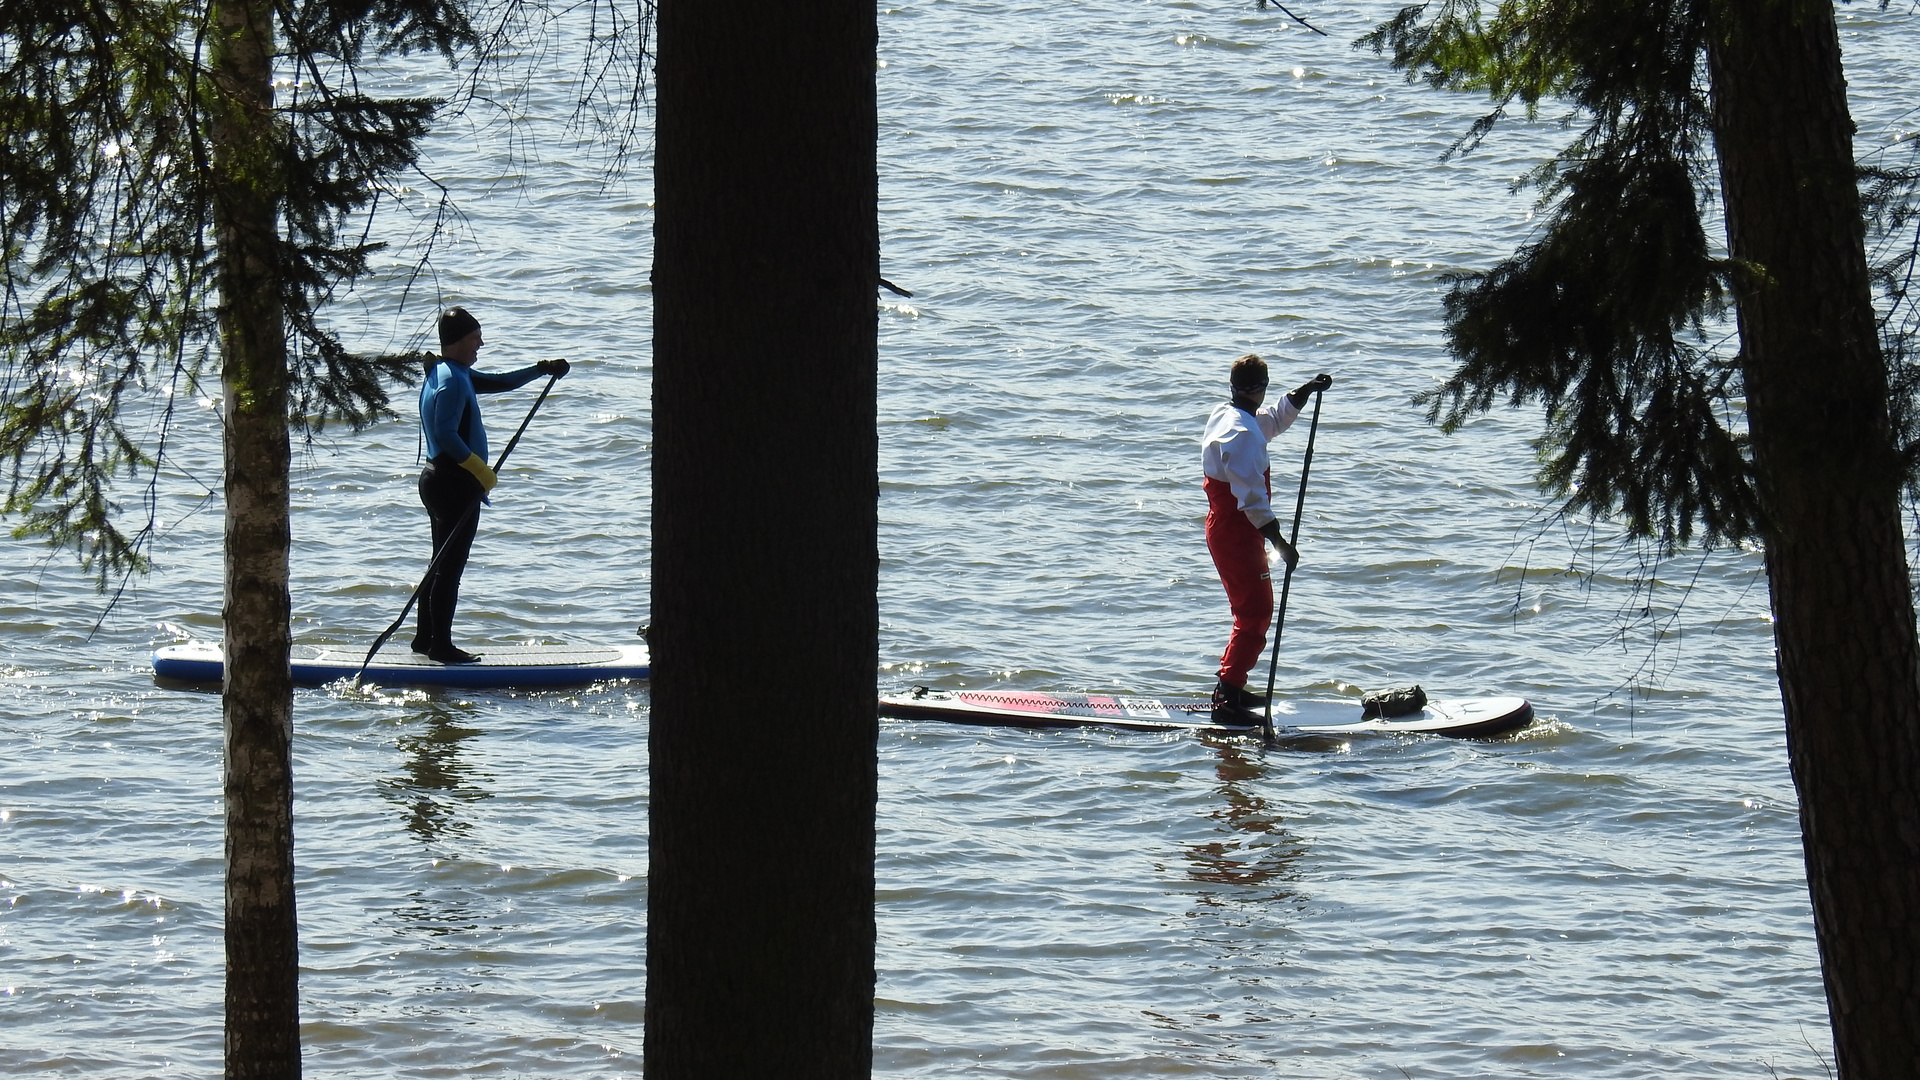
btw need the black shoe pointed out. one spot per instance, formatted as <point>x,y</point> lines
<point>452,654</point>
<point>1230,708</point>
<point>420,646</point>
<point>1227,714</point>
<point>1238,695</point>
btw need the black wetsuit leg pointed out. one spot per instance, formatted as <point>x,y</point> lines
<point>452,497</point>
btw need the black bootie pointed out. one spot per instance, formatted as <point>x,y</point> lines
<point>1239,695</point>
<point>1233,705</point>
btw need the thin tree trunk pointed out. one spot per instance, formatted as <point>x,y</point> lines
<point>1829,479</point>
<point>262,1030</point>
<point>760,926</point>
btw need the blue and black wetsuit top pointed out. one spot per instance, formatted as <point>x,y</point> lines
<point>450,412</point>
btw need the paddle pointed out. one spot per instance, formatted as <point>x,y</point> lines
<point>438,555</point>
<point>1280,616</point>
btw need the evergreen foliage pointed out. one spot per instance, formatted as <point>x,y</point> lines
<point>1605,318</point>
<point>106,115</point>
<point>1892,202</point>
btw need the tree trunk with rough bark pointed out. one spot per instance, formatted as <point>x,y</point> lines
<point>760,928</point>
<point>1829,480</point>
<point>262,1000</point>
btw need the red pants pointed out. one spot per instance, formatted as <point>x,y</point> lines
<point>1240,555</point>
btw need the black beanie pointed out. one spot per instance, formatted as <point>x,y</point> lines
<point>455,324</point>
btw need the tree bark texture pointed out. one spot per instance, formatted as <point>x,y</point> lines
<point>1829,480</point>
<point>262,1000</point>
<point>760,928</point>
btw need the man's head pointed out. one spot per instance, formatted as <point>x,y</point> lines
<point>1250,377</point>
<point>456,326</point>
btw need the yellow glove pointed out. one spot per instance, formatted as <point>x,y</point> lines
<point>478,467</point>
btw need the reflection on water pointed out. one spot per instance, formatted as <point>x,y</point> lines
<point>1252,845</point>
<point>435,914</point>
<point>438,777</point>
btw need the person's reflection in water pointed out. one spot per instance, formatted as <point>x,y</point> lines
<point>436,782</point>
<point>438,778</point>
<point>1254,848</point>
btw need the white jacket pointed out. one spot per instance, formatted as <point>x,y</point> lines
<point>1234,452</point>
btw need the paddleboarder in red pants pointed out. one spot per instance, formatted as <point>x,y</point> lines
<point>1240,522</point>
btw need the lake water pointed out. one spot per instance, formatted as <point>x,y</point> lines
<point>1097,207</point>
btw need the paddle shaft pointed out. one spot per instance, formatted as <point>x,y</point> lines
<point>444,547</point>
<point>1286,584</point>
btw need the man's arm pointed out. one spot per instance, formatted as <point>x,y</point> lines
<point>483,383</point>
<point>1297,399</point>
<point>441,416</point>
<point>488,383</point>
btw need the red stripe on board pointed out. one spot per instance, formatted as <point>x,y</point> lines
<point>1044,704</point>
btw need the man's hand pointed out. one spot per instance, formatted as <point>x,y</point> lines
<point>1287,552</point>
<point>477,465</point>
<point>1308,389</point>
<point>557,368</point>
<point>1272,532</point>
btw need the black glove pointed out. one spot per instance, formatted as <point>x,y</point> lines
<point>557,368</point>
<point>1307,389</point>
<point>1271,530</point>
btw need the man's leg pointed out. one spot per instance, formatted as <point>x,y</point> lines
<point>452,497</point>
<point>1250,596</point>
<point>1240,556</point>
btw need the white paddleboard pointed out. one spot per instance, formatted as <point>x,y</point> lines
<point>1461,718</point>
<point>500,667</point>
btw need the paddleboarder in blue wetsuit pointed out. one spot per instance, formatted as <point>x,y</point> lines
<point>456,478</point>
<point>1239,485</point>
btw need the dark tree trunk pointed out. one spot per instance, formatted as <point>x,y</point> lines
<point>262,1033</point>
<point>760,925</point>
<point>1829,484</point>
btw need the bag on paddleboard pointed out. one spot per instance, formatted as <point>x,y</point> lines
<point>1388,704</point>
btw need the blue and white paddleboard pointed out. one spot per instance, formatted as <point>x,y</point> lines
<point>1460,718</point>
<point>501,667</point>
